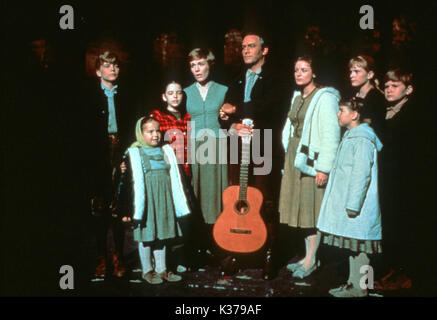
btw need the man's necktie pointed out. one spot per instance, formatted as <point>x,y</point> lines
<point>249,86</point>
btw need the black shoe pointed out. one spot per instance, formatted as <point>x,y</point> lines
<point>269,271</point>
<point>201,258</point>
<point>212,259</point>
<point>197,260</point>
<point>229,266</point>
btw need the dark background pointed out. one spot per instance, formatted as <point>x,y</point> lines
<point>44,212</point>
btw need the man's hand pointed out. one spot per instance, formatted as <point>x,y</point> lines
<point>226,110</point>
<point>241,129</point>
<point>223,115</point>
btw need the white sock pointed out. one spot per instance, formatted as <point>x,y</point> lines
<point>159,260</point>
<point>359,261</point>
<point>351,269</point>
<point>145,257</point>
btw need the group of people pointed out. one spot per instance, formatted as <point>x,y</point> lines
<point>325,163</point>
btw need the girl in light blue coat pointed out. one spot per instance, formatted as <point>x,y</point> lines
<point>350,216</point>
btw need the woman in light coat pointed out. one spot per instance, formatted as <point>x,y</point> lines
<point>310,139</point>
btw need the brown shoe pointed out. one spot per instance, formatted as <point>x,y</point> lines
<point>170,276</point>
<point>119,269</point>
<point>394,280</point>
<point>101,267</point>
<point>152,277</point>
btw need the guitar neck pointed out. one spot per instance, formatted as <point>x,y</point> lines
<point>244,169</point>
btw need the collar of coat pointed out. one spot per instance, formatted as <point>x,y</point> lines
<point>266,72</point>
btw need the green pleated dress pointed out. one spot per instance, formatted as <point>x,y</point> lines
<point>161,223</point>
<point>300,198</point>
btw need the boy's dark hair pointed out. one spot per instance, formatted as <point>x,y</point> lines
<point>354,104</point>
<point>107,56</point>
<point>398,74</point>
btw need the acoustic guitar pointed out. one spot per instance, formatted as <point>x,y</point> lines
<point>240,228</point>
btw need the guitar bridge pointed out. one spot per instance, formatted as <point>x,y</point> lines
<point>241,231</point>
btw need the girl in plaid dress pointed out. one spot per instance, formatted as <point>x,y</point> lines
<point>174,124</point>
<point>173,121</point>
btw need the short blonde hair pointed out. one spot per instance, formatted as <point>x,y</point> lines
<point>201,53</point>
<point>368,64</point>
<point>363,61</point>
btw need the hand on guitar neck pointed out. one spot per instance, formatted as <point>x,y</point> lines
<point>243,130</point>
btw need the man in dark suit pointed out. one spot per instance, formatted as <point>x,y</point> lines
<point>110,126</point>
<point>259,94</point>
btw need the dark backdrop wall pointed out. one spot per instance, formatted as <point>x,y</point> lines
<point>44,212</point>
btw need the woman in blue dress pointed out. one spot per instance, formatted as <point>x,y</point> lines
<point>209,171</point>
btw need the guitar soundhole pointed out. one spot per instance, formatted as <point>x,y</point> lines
<point>241,206</point>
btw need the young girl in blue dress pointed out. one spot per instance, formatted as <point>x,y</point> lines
<point>350,217</point>
<point>152,195</point>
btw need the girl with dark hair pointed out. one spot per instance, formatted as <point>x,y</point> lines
<point>350,217</point>
<point>173,122</point>
<point>310,139</point>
